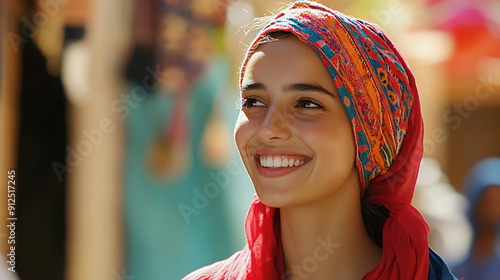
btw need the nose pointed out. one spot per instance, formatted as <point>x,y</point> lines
<point>276,126</point>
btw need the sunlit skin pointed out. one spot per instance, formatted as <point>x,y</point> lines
<point>291,110</point>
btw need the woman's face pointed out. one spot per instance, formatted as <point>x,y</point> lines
<point>293,132</point>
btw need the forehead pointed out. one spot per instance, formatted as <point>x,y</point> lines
<point>285,57</point>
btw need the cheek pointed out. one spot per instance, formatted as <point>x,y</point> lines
<point>330,138</point>
<point>242,133</point>
<point>334,148</point>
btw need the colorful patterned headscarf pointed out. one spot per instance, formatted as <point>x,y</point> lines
<point>380,96</point>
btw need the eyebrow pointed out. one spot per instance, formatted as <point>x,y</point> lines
<point>301,87</point>
<point>253,86</point>
<point>305,87</point>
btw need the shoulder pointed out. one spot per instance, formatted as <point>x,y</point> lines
<point>232,268</point>
<point>438,270</point>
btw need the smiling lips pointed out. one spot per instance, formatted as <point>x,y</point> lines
<point>276,165</point>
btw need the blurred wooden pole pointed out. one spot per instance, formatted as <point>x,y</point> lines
<point>95,226</point>
<point>9,93</point>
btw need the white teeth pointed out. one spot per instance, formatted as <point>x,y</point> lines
<point>279,161</point>
<point>298,162</point>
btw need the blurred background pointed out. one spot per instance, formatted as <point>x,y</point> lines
<point>117,118</point>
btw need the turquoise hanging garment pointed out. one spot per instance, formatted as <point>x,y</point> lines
<point>175,225</point>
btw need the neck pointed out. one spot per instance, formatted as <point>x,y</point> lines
<point>327,240</point>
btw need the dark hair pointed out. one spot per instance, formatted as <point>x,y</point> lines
<point>374,218</point>
<point>274,36</point>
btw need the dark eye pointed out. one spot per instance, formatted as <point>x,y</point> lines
<point>250,102</point>
<point>306,103</point>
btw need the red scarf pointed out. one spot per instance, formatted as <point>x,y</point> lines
<point>380,96</point>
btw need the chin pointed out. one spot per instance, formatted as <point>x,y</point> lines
<point>276,200</point>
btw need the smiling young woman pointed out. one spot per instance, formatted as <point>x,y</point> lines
<point>296,142</point>
<point>330,133</point>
